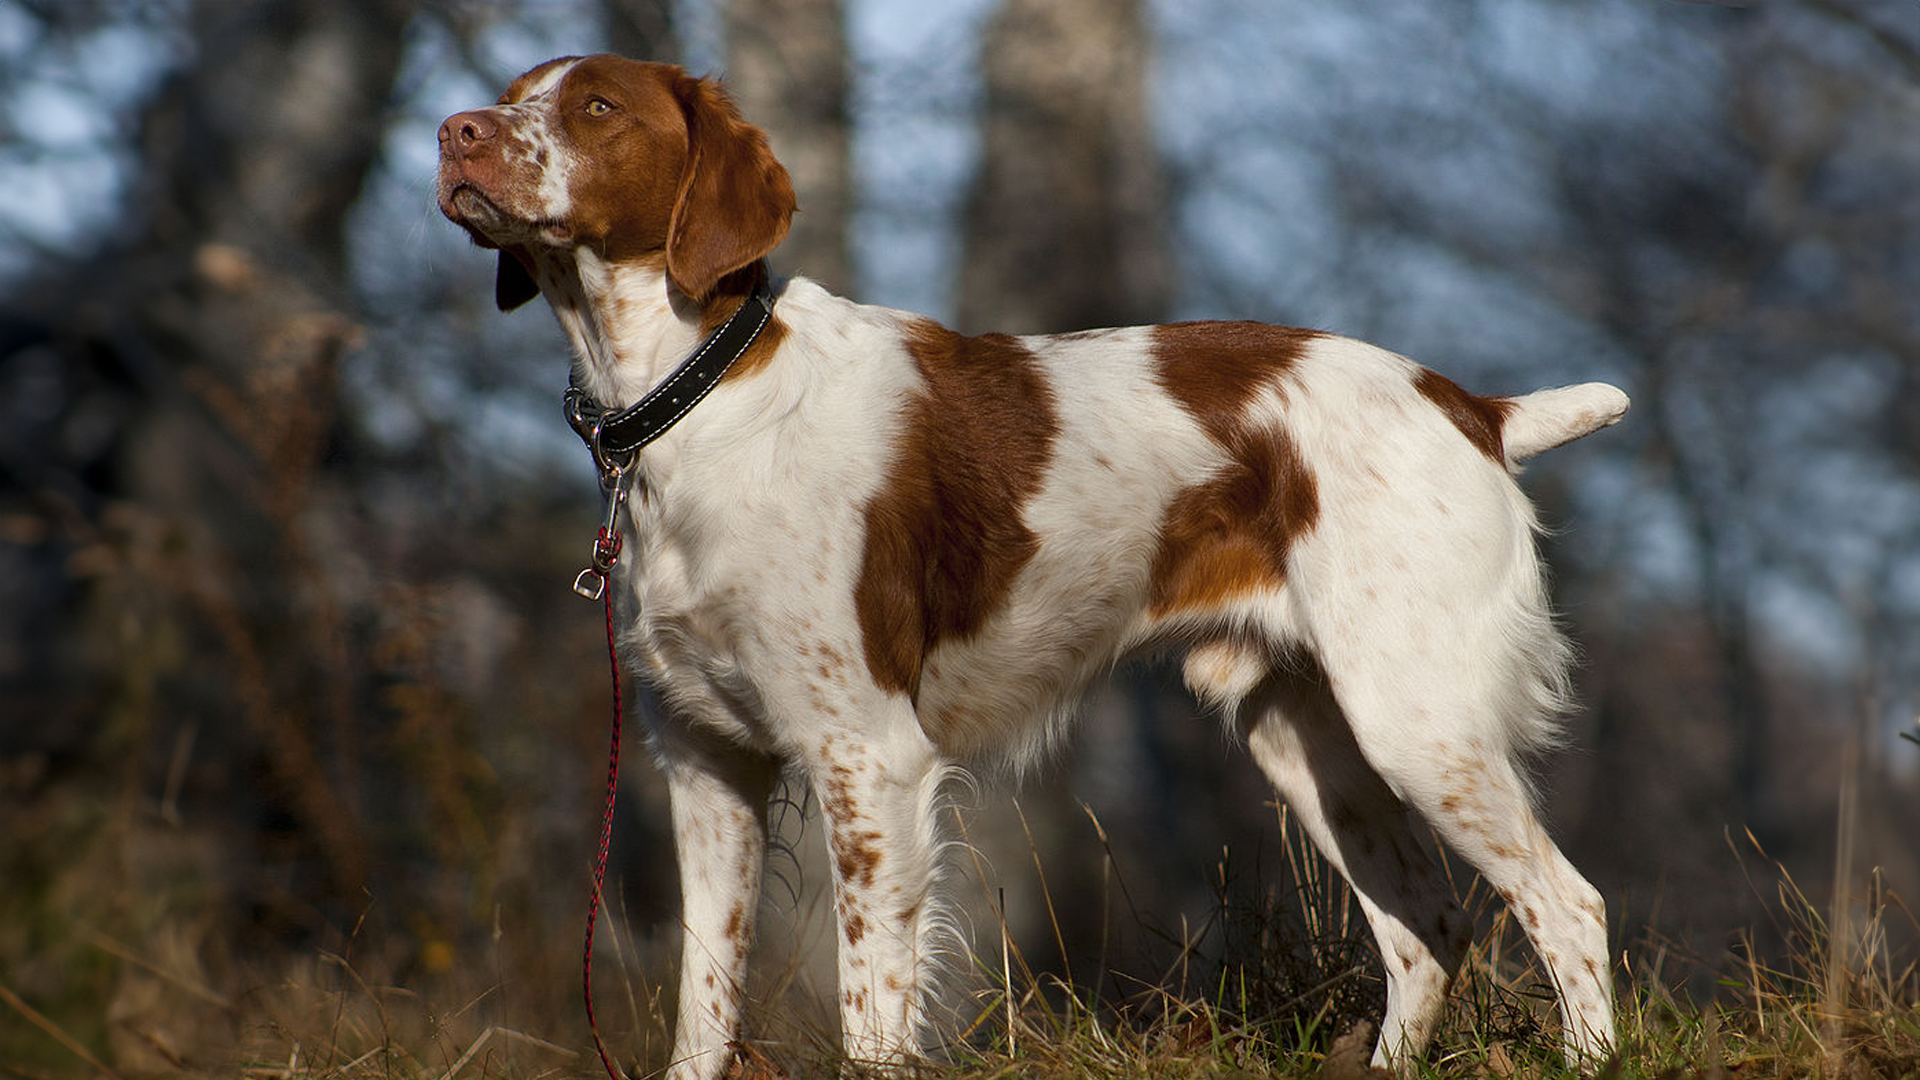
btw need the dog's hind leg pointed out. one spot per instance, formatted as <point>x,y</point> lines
<point>719,795</point>
<point>1299,739</point>
<point>1481,807</point>
<point>1439,706</point>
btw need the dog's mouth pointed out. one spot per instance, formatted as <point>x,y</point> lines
<point>467,206</point>
<point>492,225</point>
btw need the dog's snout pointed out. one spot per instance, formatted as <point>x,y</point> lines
<point>464,130</point>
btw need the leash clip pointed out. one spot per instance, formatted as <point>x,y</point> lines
<point>591,583</point>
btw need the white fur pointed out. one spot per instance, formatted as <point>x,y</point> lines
<point>1394,676</point>
<point>1432,624</point>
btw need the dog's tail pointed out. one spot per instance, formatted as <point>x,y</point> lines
<point>1544,419</point>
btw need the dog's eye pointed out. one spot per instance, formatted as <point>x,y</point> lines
<point>598,107</point>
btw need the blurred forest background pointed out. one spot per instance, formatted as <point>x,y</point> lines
<point>293,693</point>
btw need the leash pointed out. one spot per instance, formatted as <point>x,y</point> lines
<point>615,439</point>
<point>606,552</point>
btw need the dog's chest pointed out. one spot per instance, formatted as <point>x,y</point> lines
<point>738,592</point>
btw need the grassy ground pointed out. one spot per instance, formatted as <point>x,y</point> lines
<point>1265,993</point>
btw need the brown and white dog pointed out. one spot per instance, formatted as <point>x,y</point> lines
<point>880,551</point>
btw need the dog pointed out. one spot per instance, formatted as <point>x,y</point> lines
<point>868,550</point>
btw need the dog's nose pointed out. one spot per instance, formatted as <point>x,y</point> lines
<point>463,130</point>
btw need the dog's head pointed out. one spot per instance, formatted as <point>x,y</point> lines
<point>634,160</point>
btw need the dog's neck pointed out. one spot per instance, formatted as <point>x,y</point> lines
<point>628,325</point>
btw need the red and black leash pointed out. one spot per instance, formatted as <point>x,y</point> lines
<point>606,551</point>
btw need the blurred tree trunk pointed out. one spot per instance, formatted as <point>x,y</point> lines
<point>787,70</point>
<point>1063,231</point>
<point>1064,226</point>
<point>642,29</point>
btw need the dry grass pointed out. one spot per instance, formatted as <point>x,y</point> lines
<point>1270,989</point>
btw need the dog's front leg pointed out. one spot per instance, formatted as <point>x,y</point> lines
<point>878,795</point>
<point>719,795</point>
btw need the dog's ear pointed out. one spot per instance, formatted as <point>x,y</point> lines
<point>512,285</point>
<point>735,200</point>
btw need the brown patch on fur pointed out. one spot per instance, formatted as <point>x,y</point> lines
<point>856,852</point>
<point>668,167</point>
<point>734,201</point>
<point>1213,369</point>
<point>1480,419</point>
<point>945,538</point>
<point>855,927</point>
<point>631,160</point>
<point>856,855</point>
<point>1231,535</point>
<point>663,169</point>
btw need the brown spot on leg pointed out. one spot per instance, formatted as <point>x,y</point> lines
<point>856,853</point>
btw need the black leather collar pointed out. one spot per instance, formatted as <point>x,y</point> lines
<point>615,437</point>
